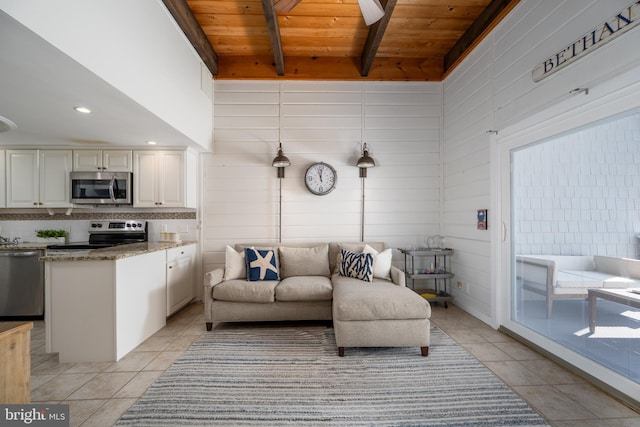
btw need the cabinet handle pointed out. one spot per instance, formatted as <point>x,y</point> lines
<point>170,267</point>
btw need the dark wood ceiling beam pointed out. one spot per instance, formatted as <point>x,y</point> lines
<point>374,38</point>
<point>486,21</point>
<point>274,35</point>
<point>187,22</point>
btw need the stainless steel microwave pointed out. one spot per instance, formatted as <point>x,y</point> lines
<point>101,188</point>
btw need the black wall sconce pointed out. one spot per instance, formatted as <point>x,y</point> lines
<point>281,161</point>
<point>365,161</point>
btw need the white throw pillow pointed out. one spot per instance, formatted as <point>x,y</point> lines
<point>381,262</point>
<point>234,264</point>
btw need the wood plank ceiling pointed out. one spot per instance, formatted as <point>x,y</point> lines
<point>416,40</point>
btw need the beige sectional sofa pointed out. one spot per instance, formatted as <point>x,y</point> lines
<point>571,276</point>
<point>316,283</point>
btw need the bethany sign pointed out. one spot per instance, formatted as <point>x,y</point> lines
<point>619,24</point>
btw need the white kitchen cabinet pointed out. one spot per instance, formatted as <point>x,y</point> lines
<point>23,179</point>
<point>180,275</point>
<point>164,179</point>
<point>38,178</point>
<point>3,194</point>
<point>102,160</point>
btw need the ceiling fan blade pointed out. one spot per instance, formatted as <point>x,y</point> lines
<point>372,11</point>
<point>285,5</point>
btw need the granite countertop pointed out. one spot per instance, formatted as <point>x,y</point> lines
<point>113,253</point>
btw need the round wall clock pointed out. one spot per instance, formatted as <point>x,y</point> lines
<point>320,178</point>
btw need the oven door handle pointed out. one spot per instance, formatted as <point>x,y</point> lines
<point>112,184</point>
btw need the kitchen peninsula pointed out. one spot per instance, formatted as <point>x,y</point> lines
<point>100,304</point>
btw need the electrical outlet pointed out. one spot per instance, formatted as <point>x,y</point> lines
<point>459,285</point>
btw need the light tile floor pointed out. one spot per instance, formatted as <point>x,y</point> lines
<point>98,393</point>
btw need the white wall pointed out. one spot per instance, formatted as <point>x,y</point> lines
<point>493,90</point>
<point>535,31</point>
<point>322,121</point>
<point>468,116</point>
<point>135,46</point>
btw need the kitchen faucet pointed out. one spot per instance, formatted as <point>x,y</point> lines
<point>5,240</point>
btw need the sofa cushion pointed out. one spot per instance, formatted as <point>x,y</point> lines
<point>304,261</point>
<point>234,264</point>
<point>356,265</point>
<point>239,290</point>
<point>304,288</point>
<point>574,282</point>
<point>381,262</point>
<point>620,267</point>
<point>379,300</point>
<point>577,282</point>
<point>261,264</point>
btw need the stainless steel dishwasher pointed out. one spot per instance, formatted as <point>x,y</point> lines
<point>21,284</point>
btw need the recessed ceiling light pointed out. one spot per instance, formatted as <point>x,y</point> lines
<point>83,110</point>
<point>151,142</point>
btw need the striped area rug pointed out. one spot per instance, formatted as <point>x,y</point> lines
<point>292,376</point>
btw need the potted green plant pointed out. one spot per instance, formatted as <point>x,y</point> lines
<point>51,235</point>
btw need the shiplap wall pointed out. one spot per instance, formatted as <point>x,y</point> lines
<point>322,121</point>
<point>536,31</point>
<point>492,90</point>
<point>468,115</point>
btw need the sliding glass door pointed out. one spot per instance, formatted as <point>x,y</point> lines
<point>571,209</point>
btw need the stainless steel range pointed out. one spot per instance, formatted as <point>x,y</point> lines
<point>105,234</point>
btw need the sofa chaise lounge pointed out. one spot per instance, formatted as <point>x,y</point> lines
<point>320,281</point>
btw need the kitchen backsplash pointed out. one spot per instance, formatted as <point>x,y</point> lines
<point>77,227</point>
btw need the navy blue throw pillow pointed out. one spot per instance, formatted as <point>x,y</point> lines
<point>261,264</point>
